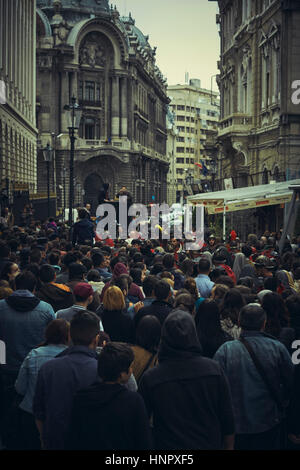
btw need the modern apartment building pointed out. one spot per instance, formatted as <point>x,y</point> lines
<point>196,111</point>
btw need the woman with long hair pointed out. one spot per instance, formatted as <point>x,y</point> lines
<point>9,273</point>
<point>209,330</point>
<point>232,304</point>
<point>146,345</point>
<point>277,319</point>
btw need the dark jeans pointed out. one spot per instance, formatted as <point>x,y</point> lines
<point>269,440</point>
<point>9,417</point>
<point>29,435</point>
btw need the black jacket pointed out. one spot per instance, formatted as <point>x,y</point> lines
<point>187,394</point>
<point>179,278</point>
<point>118,326</point>
<point>107,417</point>
<point>56,297</point>
<point>158,308</point>
<point>83,232</point>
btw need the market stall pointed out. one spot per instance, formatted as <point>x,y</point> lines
<point>223,202</point>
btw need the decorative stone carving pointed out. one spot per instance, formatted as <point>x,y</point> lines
<point>45,61</point>
<point>238,146</point>
<point>246,57</point>
<point>228,73</point>
<point>92,51</point>
<point>63,33</point>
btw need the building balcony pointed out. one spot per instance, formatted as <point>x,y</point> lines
<point>90,104</point>
<point>237,123</point>
<point>86,144</point>
<point>148,152</point>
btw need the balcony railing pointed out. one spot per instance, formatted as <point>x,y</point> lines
<point>94,103</point>
<point>235,123</point>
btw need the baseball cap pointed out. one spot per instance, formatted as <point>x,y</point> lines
<point>83,290</point>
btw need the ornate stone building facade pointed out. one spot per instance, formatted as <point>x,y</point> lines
<point>260,126</point>
<point>86,50</point>
<point>18,133</point>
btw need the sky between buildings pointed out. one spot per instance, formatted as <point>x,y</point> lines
<point>185,33</point>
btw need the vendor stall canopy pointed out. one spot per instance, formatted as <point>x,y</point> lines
<point>245,198</point>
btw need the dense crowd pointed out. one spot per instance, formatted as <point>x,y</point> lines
<point>139,344</point>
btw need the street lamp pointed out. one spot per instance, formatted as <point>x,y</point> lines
<point>63,177</point>
<point>48,155</point>
<point>74,117</point>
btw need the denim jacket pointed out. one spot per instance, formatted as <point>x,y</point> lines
<point>26,381</point>
<point>255,410</point>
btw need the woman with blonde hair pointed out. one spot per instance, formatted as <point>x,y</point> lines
<point>116,322</point>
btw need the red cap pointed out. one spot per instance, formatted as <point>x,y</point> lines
<point>83,290</point>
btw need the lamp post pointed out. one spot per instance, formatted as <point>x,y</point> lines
<point>63,177</point>
<point>213,165</point>
<point>74,117</point>
<point>48,155</point>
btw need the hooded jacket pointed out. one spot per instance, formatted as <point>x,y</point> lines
<point>59,296</point>
<point>187,394</point>
<point>23,321</point>
<point>107,417</point>
<point>134,290</point>
<point>83,231</point>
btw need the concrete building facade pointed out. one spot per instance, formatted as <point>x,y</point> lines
<point>18,133</point>
<point>86,50</point>
<point>171,152</point>
<point>196,110</point>
<point>259,129</point>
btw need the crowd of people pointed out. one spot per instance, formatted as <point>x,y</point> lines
<point>139,344</point>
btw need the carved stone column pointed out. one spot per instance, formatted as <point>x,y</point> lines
<point>74,84</point>
<point>115,108</point>
<point>124,119</point>
<point>64,99</point>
